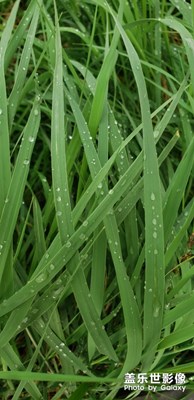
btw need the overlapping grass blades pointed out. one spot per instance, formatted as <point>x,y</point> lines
<point>96,195</point>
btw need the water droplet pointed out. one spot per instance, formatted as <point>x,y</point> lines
<point>59,198</point>
<point>100,186</point>
<point>35,310</point>
<point>68,244</point>
<point>85,223</point>
<point>35,112</point>
<point>31,139</point>
<point>155,251</point>
<point>156,312</point>
<point>57,292</point>
<point>82,236</point>
<point>52,267</point>
<point>41,278</point>
<point>154,235</point>
<point>26,162</point>
<point>154,221</point>
<point>59,213</point>
<point>111,191</point>
<point>110,212</point>
<point>152,196</point>
<point>1,111</point>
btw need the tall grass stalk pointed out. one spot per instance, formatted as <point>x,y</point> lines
<point>96,195</point>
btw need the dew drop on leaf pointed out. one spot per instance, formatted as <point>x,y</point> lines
<point>41,278</point>
<point>31,139</point>
<point>26,162</point>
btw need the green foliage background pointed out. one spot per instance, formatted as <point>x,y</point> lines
<point>96,195</point>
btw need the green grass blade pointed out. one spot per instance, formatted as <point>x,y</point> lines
<point>17,185</point>
<point>14,97</point>
<point>65,222</point>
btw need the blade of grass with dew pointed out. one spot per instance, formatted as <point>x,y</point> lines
<point>157,50</point>
<point>93,221</point>
<point>154,242</point>
<point>31,287</point>
<point>22,69</point>
<point>40,244</point>
<point>47,300</point>
<point>77,261</point>
<point>44,280</point>
<point>98,267</point>
<point>39,324</point>
<point>11,326</point>
<point>103,79</point>
<point>17,184</point>
<point>101,86</point>
<point>58,150</point>
<point>174,101</point>
<point>50,40</point>
<point>55,254</point>
<point>122,163</point>
<point>65,223</point>
<point>51,295</point>
<point>185,10</point>
<point>19,33</point>
<point>161,126</point>
<point>5,166</point>
<point>130,310</point>
<point>176,189</point>
<point>60,347</point>
<point>20,242</point>
<point>129,201</point>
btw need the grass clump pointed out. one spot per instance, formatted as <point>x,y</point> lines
<point>96,199</point>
